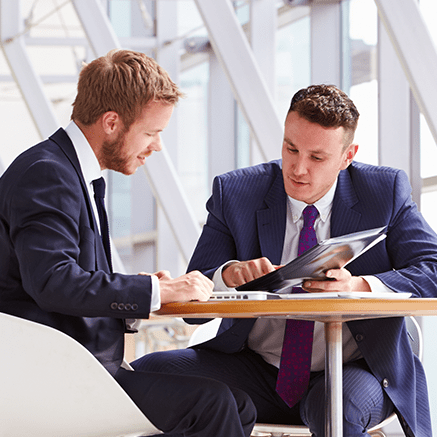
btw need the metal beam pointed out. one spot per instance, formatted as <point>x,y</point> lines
<point>237,60</point>
<point>416,52</point>
<point>326,43</point>
<point>67,78</point>
<point>22,71</point>
<point>99,32</point>
<point>399,118</point>
<point>142,43</point>
<point>221,122</point>
<point>171,197</point>
<point>159,169</point>
<point>263,29</point>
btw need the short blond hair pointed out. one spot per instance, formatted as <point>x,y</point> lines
<point>123,81</point>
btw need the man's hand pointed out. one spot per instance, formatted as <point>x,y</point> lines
<point>338,280</point>
<point>191,286</point>
<point>239,273</point>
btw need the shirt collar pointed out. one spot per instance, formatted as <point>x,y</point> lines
<point>323,205</point>
<point>87,159</point>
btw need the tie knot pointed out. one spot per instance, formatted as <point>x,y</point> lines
<point>310,214</point>
<point>99,187</point>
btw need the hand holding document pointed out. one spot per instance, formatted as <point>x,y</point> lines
<point>334,253</point>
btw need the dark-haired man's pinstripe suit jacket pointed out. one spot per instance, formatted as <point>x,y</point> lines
<point>247,217</point>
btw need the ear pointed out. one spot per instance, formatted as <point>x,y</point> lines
<point>349,155</point>
<point>111,122</point>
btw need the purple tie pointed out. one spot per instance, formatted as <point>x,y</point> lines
<point>294,369</point>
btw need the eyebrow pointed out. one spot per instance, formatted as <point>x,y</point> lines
<point>314,152</point>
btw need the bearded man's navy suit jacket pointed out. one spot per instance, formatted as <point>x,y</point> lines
<point>247,219</point>
<point>53,266</point>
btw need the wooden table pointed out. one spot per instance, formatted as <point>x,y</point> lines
<point>332,312</point>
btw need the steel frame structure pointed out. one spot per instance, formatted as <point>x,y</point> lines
<point>247,68</point>
<point>243,72</point>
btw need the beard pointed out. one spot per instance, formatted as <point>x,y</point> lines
<point>112,157</point>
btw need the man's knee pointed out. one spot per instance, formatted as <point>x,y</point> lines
<point>173,361</point>
<point>365,404</point>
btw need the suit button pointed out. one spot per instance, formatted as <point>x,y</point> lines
<point>121,306</point>
<point>385,383</point>
<point>114,305</point>
<point>359,337</point>
<point>128,307</point>
<point>134,307</point>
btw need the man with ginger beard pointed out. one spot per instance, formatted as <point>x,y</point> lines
<point>55,264</point>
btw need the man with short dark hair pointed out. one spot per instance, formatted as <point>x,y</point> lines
<point>261,217</point>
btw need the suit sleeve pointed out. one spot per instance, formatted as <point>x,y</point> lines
<point>411,245</point>
<point>55,249</point>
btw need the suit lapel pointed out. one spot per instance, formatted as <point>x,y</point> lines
<point>344,219</point>
<point>271,222</point>
<point>64,142</point>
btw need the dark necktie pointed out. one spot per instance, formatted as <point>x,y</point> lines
<point>295,365</point>
<point>99,196</point>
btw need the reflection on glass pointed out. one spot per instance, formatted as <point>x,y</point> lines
<point>427,208</point>
<point>363,37</point>
<point>192,160</point>
<point>428,151</point>
<point>293,63</point>
<point>119,204</point>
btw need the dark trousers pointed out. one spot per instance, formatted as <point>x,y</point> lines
<point>189,405</point>
<point>365,402</point>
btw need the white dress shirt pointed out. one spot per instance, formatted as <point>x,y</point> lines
<point>91,170</point>
<point>266,336</point>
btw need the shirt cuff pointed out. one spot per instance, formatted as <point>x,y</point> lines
<point>219,284</point>
<point>376,285</point>
<point>155,299</point>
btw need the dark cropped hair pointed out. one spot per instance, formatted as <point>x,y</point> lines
<point>327,106</point>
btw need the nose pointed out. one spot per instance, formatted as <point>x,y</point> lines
<point>156,144</point>
<point>299,166</point>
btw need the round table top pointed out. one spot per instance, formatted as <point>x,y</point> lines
<point>324,310</point>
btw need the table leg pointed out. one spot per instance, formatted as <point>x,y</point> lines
<point>333,380</point>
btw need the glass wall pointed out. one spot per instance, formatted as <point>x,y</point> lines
<point>293,63</point>
<point>192,137</point>
<point>363,38</point>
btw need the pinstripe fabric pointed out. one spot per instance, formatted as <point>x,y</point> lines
<point>364,402</point>
<point>247,214</point>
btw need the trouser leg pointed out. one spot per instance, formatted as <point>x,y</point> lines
<point>189,405</point>
<point>365,404</point>
<point>244,370</point>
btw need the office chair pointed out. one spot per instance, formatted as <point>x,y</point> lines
<point>51,386</point>
<point>208,330</point>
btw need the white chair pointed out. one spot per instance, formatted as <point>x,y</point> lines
<point>208,330</point>
<point>204,332</point>
<point>51,386</point>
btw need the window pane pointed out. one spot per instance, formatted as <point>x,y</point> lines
<point>363,36</point>
<point>292,63</point>
<point>192,137</point>
<point>428,144</point>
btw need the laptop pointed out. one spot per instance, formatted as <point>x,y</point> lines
<point>266,295</point>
